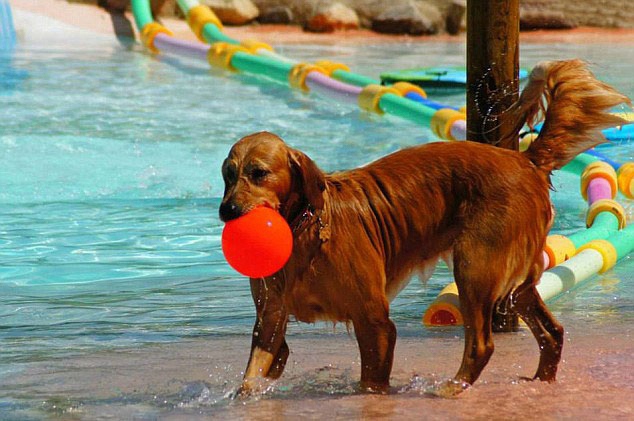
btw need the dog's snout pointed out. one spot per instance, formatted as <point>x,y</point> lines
<point>229,211</point>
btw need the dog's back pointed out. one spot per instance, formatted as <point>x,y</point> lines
<point>419,203</point>
<point>415,203</point>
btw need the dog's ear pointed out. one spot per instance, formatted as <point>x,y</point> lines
<point>313,180</point>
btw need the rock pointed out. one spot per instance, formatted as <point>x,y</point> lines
<point>233,12</point>
<point>164,7</point>
<point>404,18</point>
<point>330,17</point>
<point>113,6</point>
<point>276,15</point>
<point>533,18</point>
<point>456,17</point>
<point>158,7</point>
<point>367,10</point>
<point>431,13</point>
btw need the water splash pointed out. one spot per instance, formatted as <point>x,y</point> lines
<point>432,386</point>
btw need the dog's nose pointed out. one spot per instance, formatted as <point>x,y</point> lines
<point>229,211</point>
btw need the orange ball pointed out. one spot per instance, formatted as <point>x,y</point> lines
<point>258,243</point>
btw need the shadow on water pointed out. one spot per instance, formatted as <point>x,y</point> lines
<point>10,77</point>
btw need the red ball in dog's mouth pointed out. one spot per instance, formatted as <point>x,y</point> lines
<point>258,243</point>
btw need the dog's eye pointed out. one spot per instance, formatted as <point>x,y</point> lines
<point>229,174</point>
<point>259,173</point>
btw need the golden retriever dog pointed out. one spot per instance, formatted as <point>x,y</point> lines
<point>360,235</point>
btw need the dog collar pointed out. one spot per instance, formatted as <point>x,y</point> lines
<point>303,221</point>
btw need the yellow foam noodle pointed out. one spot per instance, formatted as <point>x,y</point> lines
<point>626,179</point>
<point>527,140</point>
<point>443,119</point>
<point>254,45</point>
<point>606,205</point>
<point>445,310</point>
<point>405,88</point>
<point>199,16</point>
<point>297,75</point>
<point>626,116</point>
<point>370,97</point>
<point>598,169</point>
<point>220,54</point>
<point>149,32</point>
<point>559,248</point>
<point>330,66</point>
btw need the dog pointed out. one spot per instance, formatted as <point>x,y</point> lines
<point>360,235</point>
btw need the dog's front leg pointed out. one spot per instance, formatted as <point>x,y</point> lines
<point>269,350</point>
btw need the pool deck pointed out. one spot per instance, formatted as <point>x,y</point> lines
<point>91,18</point>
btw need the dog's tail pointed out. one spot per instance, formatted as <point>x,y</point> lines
<point>575,108</point>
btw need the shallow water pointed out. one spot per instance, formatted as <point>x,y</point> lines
<point>116,302</point>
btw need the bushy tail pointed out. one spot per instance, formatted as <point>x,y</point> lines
<point>575,108</point>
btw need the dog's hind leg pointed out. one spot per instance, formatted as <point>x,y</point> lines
<point>478,347</point>
<point>548,332</point>
<point>478,285</point>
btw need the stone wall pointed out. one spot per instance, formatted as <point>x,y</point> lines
<point>600,13</point>
<point>433,14</point>
<point>553,13</point>
<point>597,13</point>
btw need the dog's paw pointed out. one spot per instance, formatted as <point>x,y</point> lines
<point>376,388</point>
<point>254,387</point>
<point>448,389</point>
<point>543,378</point>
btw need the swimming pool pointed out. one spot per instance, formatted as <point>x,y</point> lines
<point>110,239</point>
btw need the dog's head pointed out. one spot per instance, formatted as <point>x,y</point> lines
<point>262,170</point>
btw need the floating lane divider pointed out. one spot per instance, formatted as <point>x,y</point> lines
<point>571,260</point>
<point>450,124</point>
<point>208,28</point>
<point>334,80</point>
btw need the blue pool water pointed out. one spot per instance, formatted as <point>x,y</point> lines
<point>110,184</point>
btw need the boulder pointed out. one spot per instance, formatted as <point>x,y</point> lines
<point>164,7</point>
<point>276,15</point>
<point>158,7</point>
<point>534,18</point>
<point>233,12</point>
<point>406,18</point>
<point>433,14</point>
<point>330,17</point>
<point>456,21</point>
